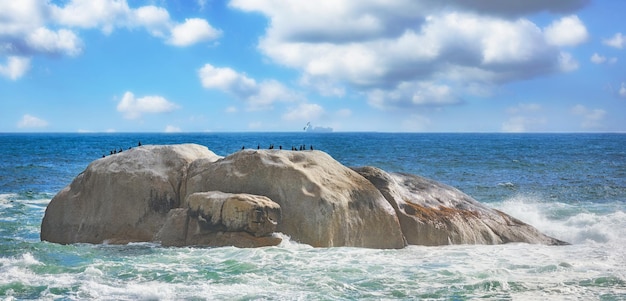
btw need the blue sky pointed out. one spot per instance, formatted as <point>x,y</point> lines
<point>274,65</point>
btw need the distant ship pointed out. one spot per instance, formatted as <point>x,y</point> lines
<point>316,129</point>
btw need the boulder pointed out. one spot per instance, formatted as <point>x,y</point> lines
<point>323,203</point>
<point>433,213</point>
<point>222,219</point>
<point>122,198</point>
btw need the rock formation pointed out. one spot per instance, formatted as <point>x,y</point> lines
<point>122,198</point>
<point>222,219</point>
<point>183,195</point>
<point>432,213</point>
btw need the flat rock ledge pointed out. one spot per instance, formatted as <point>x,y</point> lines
<point>216,218</point>
<point>186,195</point>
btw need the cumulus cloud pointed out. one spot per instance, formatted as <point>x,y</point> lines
<point>398,53</point>
<point>597,59</point>
<point>568,31</point>
<point>409,94</point>
<point>107,15</point>
<point>30,122</point>
<point>154,19</point>
<point>15,67</point>
<point>193,31</point>
<point>600,59</point>
<point>30,27</point>
<point>592,118</point>
<point>62,41</point>
<point>617,41</point>
<point>304,111</point>
<point>257,95</point>
<point>133,107</point>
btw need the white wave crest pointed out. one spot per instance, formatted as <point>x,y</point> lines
<point>574,223</point>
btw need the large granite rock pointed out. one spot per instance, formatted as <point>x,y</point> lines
<point>432,213</point>
<point>183,195</point>
<point>122,198</point>
<point>323,203</point>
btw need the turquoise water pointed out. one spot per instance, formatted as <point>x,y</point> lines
<point>571,186</point>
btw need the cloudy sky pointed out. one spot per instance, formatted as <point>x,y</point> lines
<point>274,65</point>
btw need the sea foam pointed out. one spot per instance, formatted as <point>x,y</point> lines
<point>574,223</point>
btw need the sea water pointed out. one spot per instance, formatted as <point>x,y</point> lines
<point>570,186</point>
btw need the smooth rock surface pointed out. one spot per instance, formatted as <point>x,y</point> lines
<point>433,213</point>
<point>323,203</point>
<point>122,198</point>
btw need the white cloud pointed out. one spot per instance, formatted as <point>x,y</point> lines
<point>172,129</point>
<point>155,19</point>
<point>304,112</point>
<point>325,87</point>
<point>133,107</point>
<point>520,124</point>
<point>592,118</point>
<point>31,27</point>
<point>622,90</point>
<point>231,109</point>
<point>103,14</point>
<point>617,41</point>
<point>62,41</point>
<point>192,31</point>
<point>257,95</point>
<point>15,67</point>
<point>108,15</point>
<point>567,62</point>
<point>378,48</point>
<point>413,94</point>
<point>598,59</point>
<point>19,17</point>
<point>30,121</point>
<point>568,31</point>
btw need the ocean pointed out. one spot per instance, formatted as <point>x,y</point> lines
<point>569,186</point>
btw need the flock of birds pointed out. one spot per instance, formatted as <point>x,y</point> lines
<point>293,148</point>
<point>115,151</point>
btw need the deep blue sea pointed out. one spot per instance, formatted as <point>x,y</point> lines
<point>570,186</point>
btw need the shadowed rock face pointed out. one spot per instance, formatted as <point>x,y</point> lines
<point>222,219</point>
<point>123,197</point>
<point>432,213</point>
<point>186,195</point>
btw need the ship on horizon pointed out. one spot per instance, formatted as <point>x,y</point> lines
<point>316,129</point>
